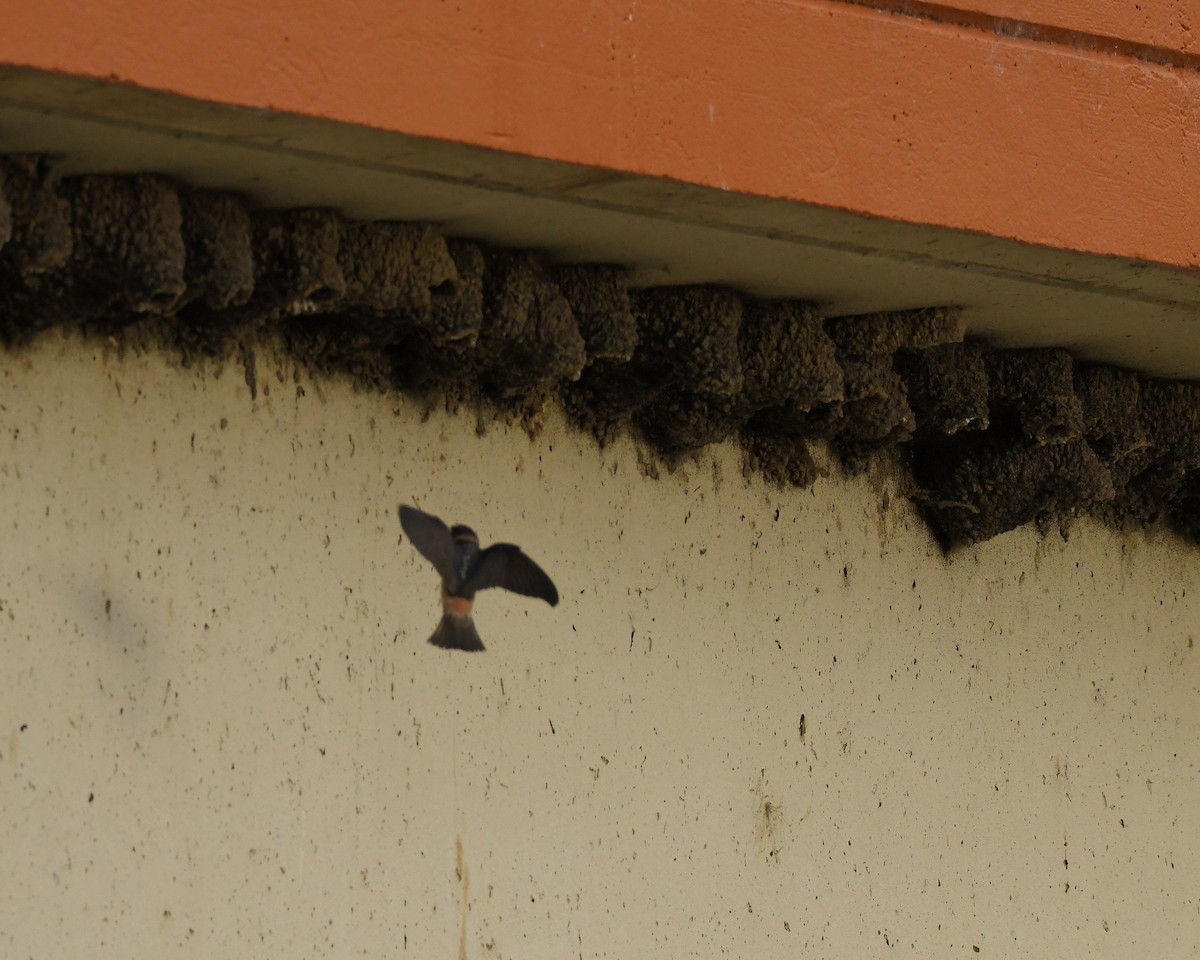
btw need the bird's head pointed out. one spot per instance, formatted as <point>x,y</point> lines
<point>461,533</point>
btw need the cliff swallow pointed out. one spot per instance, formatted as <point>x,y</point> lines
<point>465,569</point>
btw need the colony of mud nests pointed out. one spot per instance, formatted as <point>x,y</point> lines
<point>992,438</point>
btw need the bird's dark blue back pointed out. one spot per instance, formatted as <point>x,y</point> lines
<point>466,558</point>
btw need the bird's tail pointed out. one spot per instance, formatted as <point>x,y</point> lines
<point>456,632</point>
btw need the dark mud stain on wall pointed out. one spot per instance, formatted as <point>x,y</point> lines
<point>993,439</point>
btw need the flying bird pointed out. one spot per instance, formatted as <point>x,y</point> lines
<point>465,569</point>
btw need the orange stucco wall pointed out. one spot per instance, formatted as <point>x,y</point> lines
<point>1051,132</point>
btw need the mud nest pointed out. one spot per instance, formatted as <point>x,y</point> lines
<point>994,439</point>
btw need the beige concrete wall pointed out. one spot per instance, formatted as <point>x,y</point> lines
<point>223,734</point>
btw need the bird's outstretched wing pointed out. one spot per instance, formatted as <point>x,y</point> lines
<point>432,539</point>
<point>504,565</point>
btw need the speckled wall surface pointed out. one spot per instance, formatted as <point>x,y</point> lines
<point>760,723</point>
